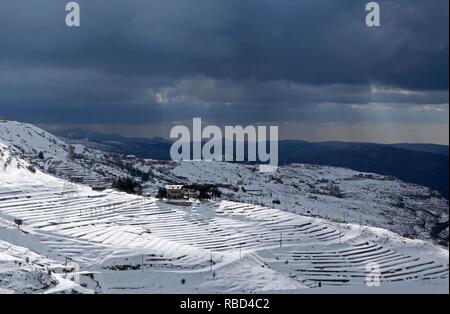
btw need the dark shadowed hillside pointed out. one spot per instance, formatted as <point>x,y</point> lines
<point>419,167</point>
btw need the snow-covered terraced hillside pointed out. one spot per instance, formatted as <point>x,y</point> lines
<point>336,194</point>
<point>126,243</point>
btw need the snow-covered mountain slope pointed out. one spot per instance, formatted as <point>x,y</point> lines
<point>327,192</point>
<point>118,242</point>
<point>73,162</point>
<point>267,234</point>
<point>24,271</point>
<point>29,139</point>
<point>17,273</point>
<point>337,194</point>
<point>332,193</point>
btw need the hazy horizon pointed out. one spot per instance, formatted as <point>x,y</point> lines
<point>112,132</point>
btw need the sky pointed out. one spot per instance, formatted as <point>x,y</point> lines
<point>311,67</point>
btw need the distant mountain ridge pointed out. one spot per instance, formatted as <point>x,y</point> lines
<point>423,168</point>
<point>429,148</point>
<point>423,164</point>
<point>151,148</point>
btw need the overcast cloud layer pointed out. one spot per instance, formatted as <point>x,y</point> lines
<point>311,66</point>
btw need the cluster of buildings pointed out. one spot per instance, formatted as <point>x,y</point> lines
<point>189,192</point>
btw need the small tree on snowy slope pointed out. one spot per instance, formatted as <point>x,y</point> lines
<point>18,222</point>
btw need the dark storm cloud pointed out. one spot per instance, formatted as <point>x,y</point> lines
<point>312,42</point>
<point>142,61</point>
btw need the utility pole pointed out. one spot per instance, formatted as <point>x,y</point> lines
<point>281,239</point>
<point>211,263</point>
<point>360,223</point>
